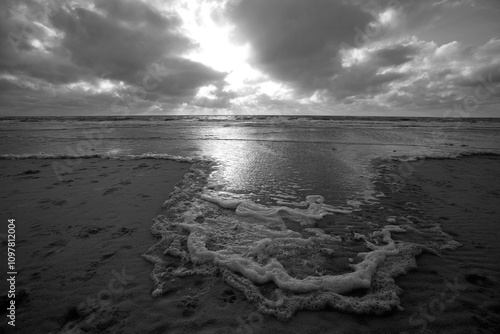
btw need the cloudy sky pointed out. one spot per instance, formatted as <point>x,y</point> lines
<point>320,57</point>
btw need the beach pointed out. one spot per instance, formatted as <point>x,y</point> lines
<point>249,167</point>
<point>80,241</point>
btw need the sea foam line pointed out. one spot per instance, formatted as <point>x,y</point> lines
<point>110,156</point>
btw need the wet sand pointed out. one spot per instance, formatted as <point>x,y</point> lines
<point>80,240</point>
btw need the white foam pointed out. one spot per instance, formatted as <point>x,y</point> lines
<point>316,208</point>
<point>273,270</point>
<point>251,245</point>
<point>110,155</point>
<point>223,203</point>
<point>459,152</point>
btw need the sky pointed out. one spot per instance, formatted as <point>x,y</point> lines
<point>272,57</point>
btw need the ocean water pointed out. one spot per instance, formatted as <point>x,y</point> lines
<point>261,202</point>
<point>266,157</point>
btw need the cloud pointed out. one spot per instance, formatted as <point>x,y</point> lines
<point>7,85</point>
<point>180,77</point>
<point>439,76</point>
<point>394,55</point>
<point>367,72</point>
<point>125,41</point>
<point>121,40</point>
<point>297,41</point>
<point>353,51</point>
<point>292,55</point>
<point>30,46</point>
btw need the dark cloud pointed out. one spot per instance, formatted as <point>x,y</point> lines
<point>394,55</point>
<point>122,42</point>
<point>6,85</point>
<point>51,68</point>
<point>486,71</point>
<point>300,42</point>
<point>365,79</point>
<point>362,82</point>
<point>19,58</point>
<point>440,76</point>
<point>180,77</point>
<point>222,100</point>
<point>9,46</point>
<point>135,14</point>
<point>297,41</point>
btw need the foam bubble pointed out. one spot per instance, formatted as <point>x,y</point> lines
<point>250,246</point>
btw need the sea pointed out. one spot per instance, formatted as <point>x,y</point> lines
<point>267,157</point>
<point>254,205</point>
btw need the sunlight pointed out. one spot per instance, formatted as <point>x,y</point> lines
<point>274,90</point>
<point>213,37</point>
<point>203,23</point>
<point>207,92</point>
<point>105,86</point>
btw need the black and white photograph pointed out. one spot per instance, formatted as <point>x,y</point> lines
<point>249,166</point>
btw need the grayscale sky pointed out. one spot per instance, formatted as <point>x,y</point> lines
<point>320,57</point>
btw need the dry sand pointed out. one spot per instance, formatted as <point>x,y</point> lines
<point>79,246</point>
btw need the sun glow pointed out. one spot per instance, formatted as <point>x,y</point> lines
<point>202,23</point>
<point>207,92</point>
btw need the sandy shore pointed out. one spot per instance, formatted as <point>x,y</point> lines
<point>80,240</point>
<point>463,196</point>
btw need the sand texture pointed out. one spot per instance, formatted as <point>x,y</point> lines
<point>80,243</point>
<point>80,239</point>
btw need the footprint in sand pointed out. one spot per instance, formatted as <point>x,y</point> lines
<point>123,231</point>
<point>478,279</point>
<point>110,190</point>
<point>90,271</point>
<point>87,231</point>
<point>108,255</point>
<point>53,202</point>
<point>55,247</point>
<point>227,297</point>
<point>29,172</point>
<point>143,165</point>
<point>189,304</point>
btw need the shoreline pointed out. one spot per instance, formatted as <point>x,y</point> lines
<point>79,260</point>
